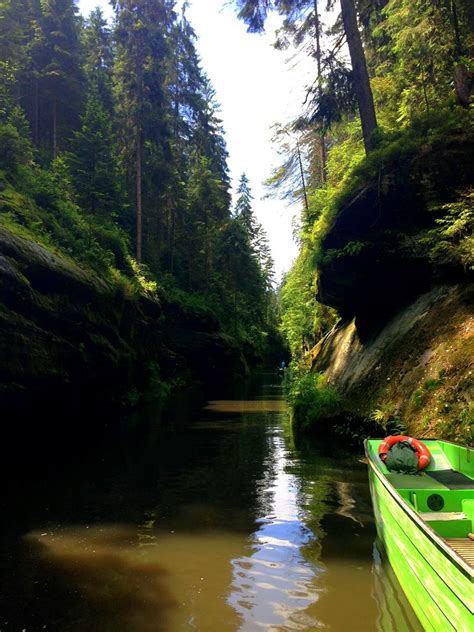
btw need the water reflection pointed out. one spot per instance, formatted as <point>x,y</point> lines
<point>225,524</point>
<point>276,581</point>
<point>247,406</point>
<point>394,615</point>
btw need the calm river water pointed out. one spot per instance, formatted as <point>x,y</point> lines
<point>221,523</point>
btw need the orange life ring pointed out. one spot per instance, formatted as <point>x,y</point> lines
<point>422,452</point>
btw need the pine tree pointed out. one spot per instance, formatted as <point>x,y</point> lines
<point>303,26</point>
<point>257,238</point>
<point>254,13</point>
<point>93,164</point>
<point>243,206</point>
<point>98,56</point>
<point>197,144</point>
<point>56,57</point>
<point>289,180</point>
<point>141,31</point>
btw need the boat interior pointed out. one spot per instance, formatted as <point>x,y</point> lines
<point>442,494</point>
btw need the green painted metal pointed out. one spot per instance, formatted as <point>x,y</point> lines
<point>438,582</point>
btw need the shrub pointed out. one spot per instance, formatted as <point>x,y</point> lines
<point>14,149</point>
<point>310,397</point>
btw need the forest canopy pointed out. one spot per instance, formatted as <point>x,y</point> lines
<point>112,152</point>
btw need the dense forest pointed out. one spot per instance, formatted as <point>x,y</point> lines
<point>113,157</point>
<point>380,161</point>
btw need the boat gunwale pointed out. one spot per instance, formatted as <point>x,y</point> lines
<point>436,539</point>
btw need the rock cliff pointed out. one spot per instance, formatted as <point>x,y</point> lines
<point>417,369</point>
<point>66,335</point>
<point>404,349</point>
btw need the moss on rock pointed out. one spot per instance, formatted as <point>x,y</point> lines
<point>418,369</point>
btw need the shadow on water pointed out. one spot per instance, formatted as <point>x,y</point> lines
<point>218,522</point>
<point>104,585</point>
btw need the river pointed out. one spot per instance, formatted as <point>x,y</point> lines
<point>221,522</point>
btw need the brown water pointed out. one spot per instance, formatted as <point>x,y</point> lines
<point>221,524</point>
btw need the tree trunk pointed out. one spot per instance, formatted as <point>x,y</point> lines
<point>139,195</point>
<point>171,235</point>
<point>463,84</point>
<point>458,47</point>
<point>303,183</point>
<point>322,147</point>
<point>55,127</point>
<point>322,140</point>
<point>463,77</point>
<point>361,76</point>
<point>35,111</point>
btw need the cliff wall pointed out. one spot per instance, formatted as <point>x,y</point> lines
<point>66,335</point>
<point>417,369</point>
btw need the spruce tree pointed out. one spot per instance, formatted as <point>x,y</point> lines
<point>243,205</point>
<point>93,163</point>
<point>57,62</point>
<point>98,56</point>
<point>257,238</point>
<point>141,33</point>
<point>254,14</point>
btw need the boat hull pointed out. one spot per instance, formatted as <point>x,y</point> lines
<point>440,594</point>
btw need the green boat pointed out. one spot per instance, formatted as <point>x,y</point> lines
<point>424,521</point>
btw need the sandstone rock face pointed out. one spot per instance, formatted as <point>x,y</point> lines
<point>419,367</point>
<point>370,264</point>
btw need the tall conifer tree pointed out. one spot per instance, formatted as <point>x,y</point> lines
<point>57,60</point>
<point>93,164</point>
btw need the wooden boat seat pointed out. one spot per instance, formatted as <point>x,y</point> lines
<point>448,524</point>
<point>452,479</point>
<point>415,481</point>
<point>442,515</point>
<point>432,479</point>
<point>464,547</point>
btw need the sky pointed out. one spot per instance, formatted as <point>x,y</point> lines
<point>256,86</point>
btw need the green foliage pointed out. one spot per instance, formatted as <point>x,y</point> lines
<point>98,56</point>
<point>414,49</point>
<point>452,241</point>
<point>153,388</point>
<point>37,208</point>
<point>467,421</point>
<point>15,150</point>
<point>93,165</point>
<point>142,277</point>
<point>418,398</point>
<point>303,319</point>
<point>421,43</point>
<point>431,384</point>
<point>311,399</point>
<point>387,420</point>
<point>350,171</point>
<point>288,180</point>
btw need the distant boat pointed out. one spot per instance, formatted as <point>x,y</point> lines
<point>424,521</point>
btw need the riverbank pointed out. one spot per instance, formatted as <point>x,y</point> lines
<point>392,257</point>
<point>416,371</point>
